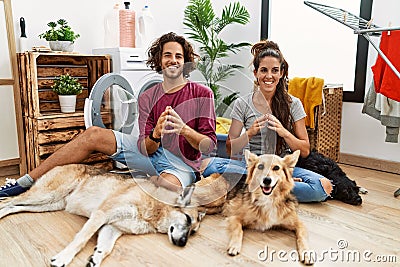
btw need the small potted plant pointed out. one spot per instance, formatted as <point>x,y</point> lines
<point>67,87</point>
<point>60,36</point>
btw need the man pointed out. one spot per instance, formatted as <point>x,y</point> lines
<point>177,117</point>
<point>184,135</point>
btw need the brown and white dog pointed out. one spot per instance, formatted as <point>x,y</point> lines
<point>264,201</point>
<point>113,203</point>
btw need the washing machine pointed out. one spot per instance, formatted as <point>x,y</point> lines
<point>116,93</point>
<point>113,98</point>
<point>131,64</point>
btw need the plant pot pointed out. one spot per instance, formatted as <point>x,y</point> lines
<point>67,103</point>
<point>65,46</point>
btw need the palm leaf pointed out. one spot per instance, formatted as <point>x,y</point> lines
<point>198,17</point>
<point>232,14</point>
<point>223,105</point>
<point>224,71</point>
<point>203,27</point>
<point>230,98</point>
<point>234,48</point>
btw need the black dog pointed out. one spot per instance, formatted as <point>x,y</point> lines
<point>344,189</point>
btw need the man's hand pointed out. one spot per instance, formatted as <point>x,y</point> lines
<point>173,122</point>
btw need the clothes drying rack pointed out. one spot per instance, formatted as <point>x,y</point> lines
<point>359,25</point>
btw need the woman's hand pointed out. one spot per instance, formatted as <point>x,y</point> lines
<point>257,125</point>
<point>275,125</point>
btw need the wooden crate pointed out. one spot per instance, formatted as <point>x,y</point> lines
<point>47,134</point>
<point>325,137</point>
<point>46,129</point>
<point>39,70</point>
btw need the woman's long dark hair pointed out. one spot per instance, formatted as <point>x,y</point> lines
<point>281,100</point>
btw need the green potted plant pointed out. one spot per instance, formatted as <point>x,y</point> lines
<point>204,28</point>
<point>67,88</point>
<point>60,36</point>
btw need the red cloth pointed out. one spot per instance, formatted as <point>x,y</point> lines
<point>385,80</point>
<point>195,105</point>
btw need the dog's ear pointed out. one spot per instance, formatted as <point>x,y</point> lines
<point>250,157</point>
<point>251,160</point>
<point>291,159</point>
<point>185,196</point>
<point>201,215</point>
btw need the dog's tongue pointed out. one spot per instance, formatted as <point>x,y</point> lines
<point>266,190</point>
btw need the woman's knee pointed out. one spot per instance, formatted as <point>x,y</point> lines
<point>327,185</point>
<point>305,192</point>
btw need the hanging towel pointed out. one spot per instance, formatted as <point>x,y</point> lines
<point>385,80</point>
<point>384,109</point>
<point>309,91</point>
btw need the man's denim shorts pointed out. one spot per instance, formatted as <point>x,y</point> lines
<point>160,161</point>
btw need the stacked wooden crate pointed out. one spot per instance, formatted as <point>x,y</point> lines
<point>46,129</point>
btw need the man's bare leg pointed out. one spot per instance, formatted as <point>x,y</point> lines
<point>78,149</point>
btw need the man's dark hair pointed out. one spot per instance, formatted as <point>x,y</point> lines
<point>156,49</point>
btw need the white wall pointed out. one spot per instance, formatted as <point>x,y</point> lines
<point>87,19</point>
<point>316,45</point>
<point>361,135</point>
<point>8,132</point>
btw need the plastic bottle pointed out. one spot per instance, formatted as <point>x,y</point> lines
<point>146,29</point>
<point>127,26</point>
<point>111,27</point>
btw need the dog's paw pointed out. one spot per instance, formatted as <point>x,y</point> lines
<point>234,249</point>
<point>60,261</point>
<point>363,190</point>
<point>55,263</point>
<point>397,193</point>
<point>91,262</point>
<point>306,259</point>
<point>95,259</point>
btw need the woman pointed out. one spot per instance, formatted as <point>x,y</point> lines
<point>274,121</point>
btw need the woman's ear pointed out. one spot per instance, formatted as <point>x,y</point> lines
<point>255,76</point>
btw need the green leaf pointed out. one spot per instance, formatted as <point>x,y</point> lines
<point>61,33</point>
<point>203,26</point>
<point>232,14</point>
<point>66,85</point>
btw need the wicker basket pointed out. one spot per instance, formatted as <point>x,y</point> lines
<point>325,137</point>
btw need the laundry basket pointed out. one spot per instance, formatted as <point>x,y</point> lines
<point>325,137</point>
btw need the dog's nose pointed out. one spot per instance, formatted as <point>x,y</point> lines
<point>267,181</point>
<point>182,241</point>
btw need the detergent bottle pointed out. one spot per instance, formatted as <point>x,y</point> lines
<point>146,29</point>
<point>127,26</point>
<point>111,27</point>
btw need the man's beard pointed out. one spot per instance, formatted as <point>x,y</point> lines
<point>173,74</point>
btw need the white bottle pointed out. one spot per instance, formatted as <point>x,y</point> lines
<point>146,28</point>
<point>111,28</point>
